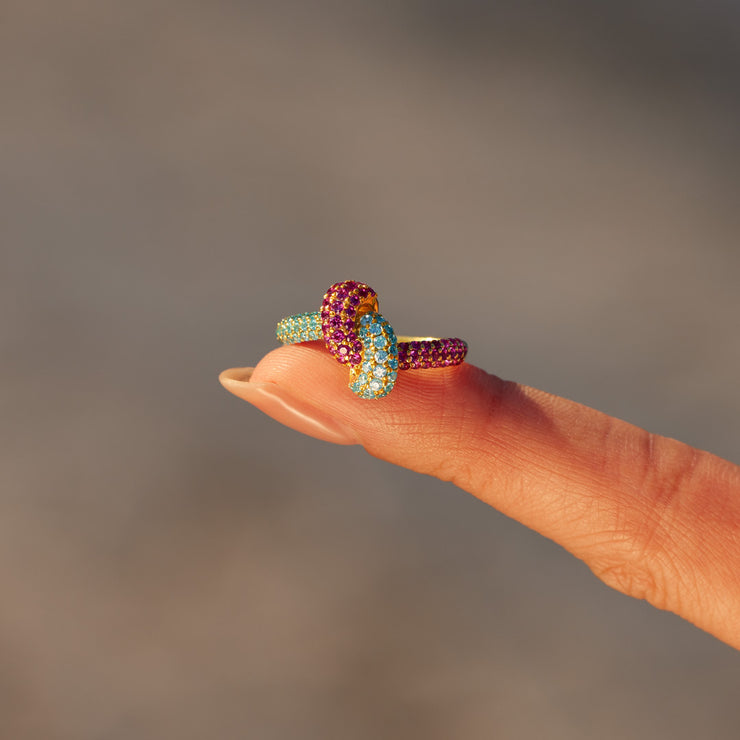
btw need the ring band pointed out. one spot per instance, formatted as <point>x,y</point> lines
<point>356,334</point>
<point>413,352</point>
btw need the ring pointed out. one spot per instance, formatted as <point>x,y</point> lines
<point>356,334</point>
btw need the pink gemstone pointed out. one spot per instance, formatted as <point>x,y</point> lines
<point>357,346</point>
<point>349,311</point>
<point>356,359</point>
<point>354,300</point>
<point>349,325</point>
<point>338,335</point>
<point>337,306</point>
<point>349,284</point>
<point>335,322</point>
<point>342,294</point>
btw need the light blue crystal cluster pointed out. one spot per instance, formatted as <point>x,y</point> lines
<point>377,374</point>
<point>302,327</point>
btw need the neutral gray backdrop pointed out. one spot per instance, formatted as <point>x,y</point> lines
<point>556,182</point>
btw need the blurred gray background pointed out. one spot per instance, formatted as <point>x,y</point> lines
<point>177,176</point>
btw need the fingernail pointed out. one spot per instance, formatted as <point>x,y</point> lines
<point>282,406</point>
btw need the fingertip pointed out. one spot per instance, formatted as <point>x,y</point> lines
<point>278,402</point>
<point>232,377</point>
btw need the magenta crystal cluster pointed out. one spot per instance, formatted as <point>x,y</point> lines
<point>340,308</point>
<point>431,353</point>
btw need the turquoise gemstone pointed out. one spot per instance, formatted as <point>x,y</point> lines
<point>380,342</point>
<point>381,356</point>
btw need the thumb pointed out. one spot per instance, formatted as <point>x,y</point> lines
<point>650,516</point>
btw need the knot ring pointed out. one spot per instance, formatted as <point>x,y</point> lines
<point>356,334</point>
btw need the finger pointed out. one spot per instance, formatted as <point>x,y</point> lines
<point>652,517</point>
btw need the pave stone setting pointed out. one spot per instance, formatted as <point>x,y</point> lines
<point>343,305</point>
<point>357,335</point>
<point>376,375</point>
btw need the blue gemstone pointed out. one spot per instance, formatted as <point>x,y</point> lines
<point>393,362</point>
<point>380,342</point>
<point>367,367</point>
<point>392,375</point>
<point>366,319</point>
<point>375,385</point>
<point>376,328</point>
<point>381,356</point>
<point>362,379</point>
<point>379,371</point>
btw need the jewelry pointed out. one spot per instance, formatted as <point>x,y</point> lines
<point>357,335</point>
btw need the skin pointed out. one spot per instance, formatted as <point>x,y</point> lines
<point>651,516</point>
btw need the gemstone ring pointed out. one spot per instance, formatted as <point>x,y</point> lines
<point>357,335</point>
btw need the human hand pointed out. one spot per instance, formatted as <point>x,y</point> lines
<point>652,517</point>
